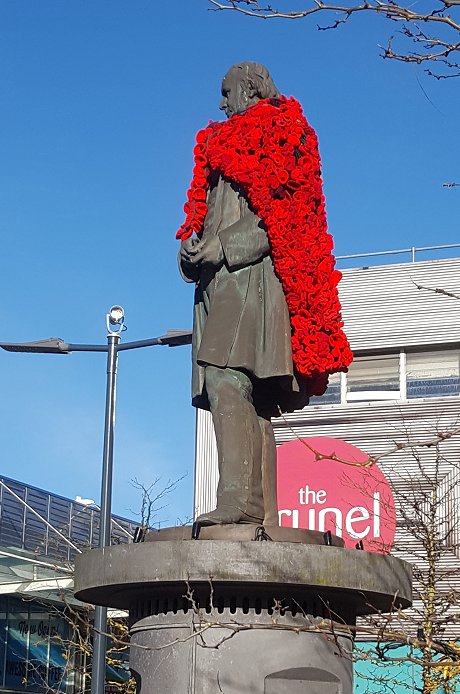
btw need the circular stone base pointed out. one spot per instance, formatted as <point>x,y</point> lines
<point>117,575</point>
<point>212,616</point>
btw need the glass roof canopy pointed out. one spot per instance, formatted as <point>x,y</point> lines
<point>40,534</point>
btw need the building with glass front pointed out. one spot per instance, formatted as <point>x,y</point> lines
<point>40,534</point>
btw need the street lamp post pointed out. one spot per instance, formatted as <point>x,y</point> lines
<point>115,325</point>
<point>100,613</point>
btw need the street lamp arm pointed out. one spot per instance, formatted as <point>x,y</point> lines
<point>150,342</point>
<point>86,348</point>
<point>173,338</point>
<point>54,345</point>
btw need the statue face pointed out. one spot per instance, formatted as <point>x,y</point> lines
<point>234,97</point>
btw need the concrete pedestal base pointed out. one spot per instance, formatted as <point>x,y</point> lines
<point>248,617</point>
<point>236,651</point>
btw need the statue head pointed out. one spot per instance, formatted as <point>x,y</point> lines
<point>243,85</point>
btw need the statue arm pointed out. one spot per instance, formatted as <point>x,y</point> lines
<point>245,242</point>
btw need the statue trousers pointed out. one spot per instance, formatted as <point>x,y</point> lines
<point>246,449</point>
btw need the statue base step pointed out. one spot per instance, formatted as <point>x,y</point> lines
<point>245,532</point>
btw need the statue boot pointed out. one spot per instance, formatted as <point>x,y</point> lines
<point>269,472</point>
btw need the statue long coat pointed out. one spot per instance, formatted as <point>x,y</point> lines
<point>241,318</point>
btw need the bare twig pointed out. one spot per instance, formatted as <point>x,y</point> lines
<point>436,290</point>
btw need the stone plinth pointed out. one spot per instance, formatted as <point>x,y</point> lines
<point>211,616</point>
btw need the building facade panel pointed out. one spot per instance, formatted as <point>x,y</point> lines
<point>382,307</point>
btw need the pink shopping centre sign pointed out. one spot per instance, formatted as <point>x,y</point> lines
<point>336,493</point>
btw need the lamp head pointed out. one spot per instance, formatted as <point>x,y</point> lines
<point>115,319</point>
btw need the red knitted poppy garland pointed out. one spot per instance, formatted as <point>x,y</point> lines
<point>271,152</point>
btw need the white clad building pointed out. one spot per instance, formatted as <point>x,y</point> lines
<point>402,389</point>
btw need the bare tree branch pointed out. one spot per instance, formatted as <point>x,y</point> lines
<point>438,42</point>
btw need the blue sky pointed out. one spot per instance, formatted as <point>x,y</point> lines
<point>100,104</point>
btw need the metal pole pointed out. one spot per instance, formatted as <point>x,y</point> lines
<point>100,613</point>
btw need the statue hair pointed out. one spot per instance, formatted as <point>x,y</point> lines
<point>258,78</point>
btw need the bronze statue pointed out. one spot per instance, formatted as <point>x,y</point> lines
<point>243,368</point>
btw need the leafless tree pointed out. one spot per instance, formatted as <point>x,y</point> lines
<point>153,500</point>
<point>427,33</point>
<point>426,487</point>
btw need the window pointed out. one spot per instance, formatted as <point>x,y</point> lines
<point>374,378</point>
<point>395,377</point>
<point>432,374</point>
<point>33,642</point>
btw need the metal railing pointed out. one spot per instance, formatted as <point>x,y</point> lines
<point>50,525</point>
<point>413,250</point>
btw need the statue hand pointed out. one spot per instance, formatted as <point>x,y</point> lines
<point>207,252</point>
<point>186,247</point>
